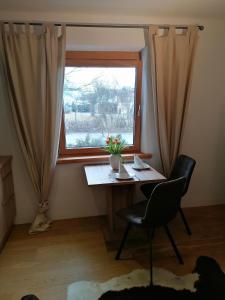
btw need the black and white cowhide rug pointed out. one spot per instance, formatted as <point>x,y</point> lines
<point>207,281</point>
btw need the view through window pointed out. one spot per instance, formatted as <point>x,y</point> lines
<point>98,101</point>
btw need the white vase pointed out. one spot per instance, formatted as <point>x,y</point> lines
<point>114,160</point>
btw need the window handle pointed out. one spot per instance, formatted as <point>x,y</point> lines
<point>139,111</point>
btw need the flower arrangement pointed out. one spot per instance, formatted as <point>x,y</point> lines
<point>115,145</point>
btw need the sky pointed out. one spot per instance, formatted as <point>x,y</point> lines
<point>113,76</point>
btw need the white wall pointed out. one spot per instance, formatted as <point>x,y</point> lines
<point>204,137</point>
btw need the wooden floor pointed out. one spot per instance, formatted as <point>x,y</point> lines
<point>75,250</point>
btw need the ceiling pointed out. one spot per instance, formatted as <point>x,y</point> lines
<point>170,8</point>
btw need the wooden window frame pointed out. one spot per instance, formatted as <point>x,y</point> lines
<point>107,59</point>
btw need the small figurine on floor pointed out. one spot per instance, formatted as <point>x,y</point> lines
<point>29,297</point>
<point>211,283</point>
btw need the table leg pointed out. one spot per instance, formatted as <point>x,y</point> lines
<point>110,208</point>
<point>130,195</point>
<point>117,198</point>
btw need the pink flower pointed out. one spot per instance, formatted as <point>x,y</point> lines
<point>107,140</point>
<point>116,141</point>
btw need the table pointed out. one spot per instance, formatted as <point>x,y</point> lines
<point>103,175</point>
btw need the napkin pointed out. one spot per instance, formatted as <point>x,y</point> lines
<point>138,162</point>
<point>122,170</point>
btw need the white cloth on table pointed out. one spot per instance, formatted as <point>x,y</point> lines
<point>122,171</point>
<point>138,163</point>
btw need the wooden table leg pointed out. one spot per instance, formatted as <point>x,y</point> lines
<point>110,208</point>
<point>130,195</point>
<point>117,198</point>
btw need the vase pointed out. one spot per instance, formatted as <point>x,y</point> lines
<point>114,160</point>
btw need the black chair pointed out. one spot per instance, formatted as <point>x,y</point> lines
<point>158,211</point>
<point>184,167</point>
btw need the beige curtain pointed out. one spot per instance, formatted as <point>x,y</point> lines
<point>33,60</point>
<point>149,141</point>
<point>172,57</point>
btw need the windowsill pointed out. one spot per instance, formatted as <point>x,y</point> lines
<point>98,158</point>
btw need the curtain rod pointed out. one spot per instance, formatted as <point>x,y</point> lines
<point>102,25</point>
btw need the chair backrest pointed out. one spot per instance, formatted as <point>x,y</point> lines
<point>164,202</point>
<point>184,167</point>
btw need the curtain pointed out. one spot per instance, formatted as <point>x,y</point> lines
<point>33,58</point>
<point>171,57</point>
<point>149,141</point>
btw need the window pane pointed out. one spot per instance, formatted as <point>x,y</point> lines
<point>98,101</point>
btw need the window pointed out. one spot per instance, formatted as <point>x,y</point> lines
<point>101,97</point>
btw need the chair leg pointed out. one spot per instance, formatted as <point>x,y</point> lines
<point>123,241</point>
<point>185,221</point>
<point>173,244</point>
<point>151,235</point>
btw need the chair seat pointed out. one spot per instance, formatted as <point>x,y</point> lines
<point>134,214</point>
